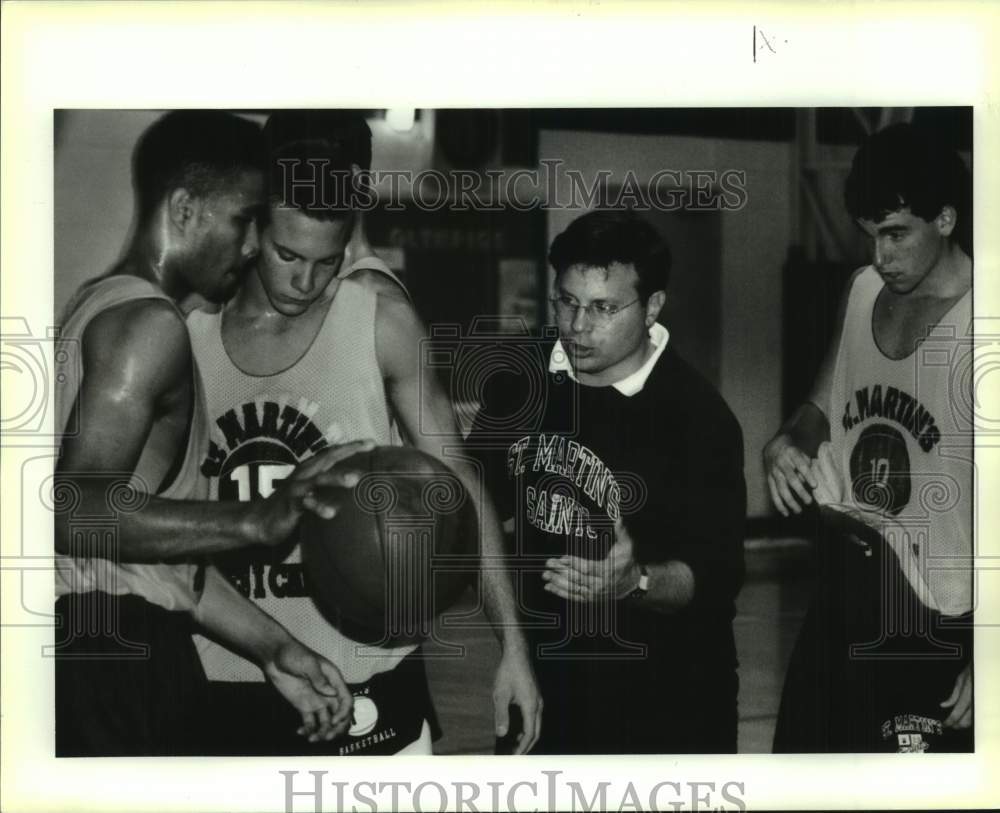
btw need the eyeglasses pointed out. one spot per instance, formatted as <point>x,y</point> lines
<point>600,313</point>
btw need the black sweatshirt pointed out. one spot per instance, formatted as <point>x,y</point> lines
<point>565,460</point>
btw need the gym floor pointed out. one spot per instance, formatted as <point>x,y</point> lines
<point>770,609</point>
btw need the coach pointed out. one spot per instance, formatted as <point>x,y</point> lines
<point>624,483</point>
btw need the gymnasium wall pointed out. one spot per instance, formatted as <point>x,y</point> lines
<point>754,244</point>
<point>93,218</point>
<point>93,192</point>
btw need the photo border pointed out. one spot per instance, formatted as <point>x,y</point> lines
<point>261,55</point>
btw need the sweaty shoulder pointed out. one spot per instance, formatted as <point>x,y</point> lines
<point>379,283</point>
<point>144,338</point>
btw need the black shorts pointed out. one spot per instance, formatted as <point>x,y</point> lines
<point>872,663</point>
<point>253,719</point>
<point>128,678</point>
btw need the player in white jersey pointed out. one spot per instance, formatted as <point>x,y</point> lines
<point>349,133</point>
<point>300,358</point>
<point>884,448</point>
<point>131,416</point>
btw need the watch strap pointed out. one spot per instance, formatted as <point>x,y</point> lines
<point>643,587</point>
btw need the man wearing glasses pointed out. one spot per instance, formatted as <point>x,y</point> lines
<point>624,481</point>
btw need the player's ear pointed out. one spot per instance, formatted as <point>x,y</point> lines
<point>361,181</point>
<point>182,208</point>
<point>946,221</point>
<point>654,305</point>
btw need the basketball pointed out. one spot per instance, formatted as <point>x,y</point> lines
<point>400,550</point>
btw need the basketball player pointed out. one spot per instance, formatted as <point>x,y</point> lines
<point>625,487</point>
<point>316,132</point>
<point>299,358</point>
<point>884,661</point>
<point>127,677</point>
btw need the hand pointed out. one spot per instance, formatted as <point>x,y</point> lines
<point>861,526</point>
<point>960,701</point>
<point>515,684</point>
<point>313,486</point>
<point>315,687</point>
<point>789,476</point>
<point>586,580</point>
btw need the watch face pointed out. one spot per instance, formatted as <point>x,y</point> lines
<point>640,589</point>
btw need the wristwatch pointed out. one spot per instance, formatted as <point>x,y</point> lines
<point>643,587</point>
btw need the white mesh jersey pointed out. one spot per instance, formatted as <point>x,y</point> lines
<point>262,426</point>
<point>904,445</point>
<point>168,585</point>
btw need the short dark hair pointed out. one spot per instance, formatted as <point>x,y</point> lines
<point>907,166</point>
<point>345,131</point>
<point>606,236</point>
<point>302,144</point>
<point>202,151</point>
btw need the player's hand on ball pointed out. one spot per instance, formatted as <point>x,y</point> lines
<point>960,701</point>
<point>313,486</point>
<point>316,689</point>
<point>584,580</point>
<point>789,475</point>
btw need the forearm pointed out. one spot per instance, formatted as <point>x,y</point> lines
<point>498,590</point>
<point>806,428</point>
<point>237,621</point>
<point>498,598</point>
<point>693,551</point>
<point>671,587</point>
<point>149,529</point>
<point>693,547</point>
